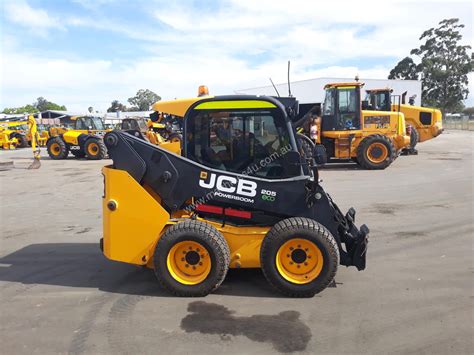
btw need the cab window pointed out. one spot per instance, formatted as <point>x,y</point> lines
<point>250,142</point>
<point>347,104</point>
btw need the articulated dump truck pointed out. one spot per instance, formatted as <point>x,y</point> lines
<point>235,193</point>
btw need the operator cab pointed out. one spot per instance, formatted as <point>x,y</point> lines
<point>248,135</point>
<point>89,123</point>
<point>341,108</point>
<point>378,100</point>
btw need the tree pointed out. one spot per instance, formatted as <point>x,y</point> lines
<point>43,105</point>
<point>405,69</point>
<point>444,65</point>
<point>116,106</point>
<point>143,100</point>
<point>20,110</point>
<point>469,110</point>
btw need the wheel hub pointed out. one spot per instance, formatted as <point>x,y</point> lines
<point>192,257</point>
<point>298,256</point>
<point>188,262</point>
<point>299,261</point>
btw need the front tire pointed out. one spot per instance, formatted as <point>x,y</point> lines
<point>376,152</point>
<point>299,257</point>
<point>191,259</point>
<point>95,149</point>
<point>57,148</point>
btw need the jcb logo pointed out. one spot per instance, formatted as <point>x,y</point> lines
<point>228,184</point>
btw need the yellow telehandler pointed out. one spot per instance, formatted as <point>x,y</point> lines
<point>84,140</point>
<point>237,195</point>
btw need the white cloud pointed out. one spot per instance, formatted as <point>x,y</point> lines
<point>36,19</point>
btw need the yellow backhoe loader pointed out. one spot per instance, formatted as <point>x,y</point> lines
<point>237,195</point>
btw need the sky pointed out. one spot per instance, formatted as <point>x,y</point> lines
<point>82,53</point>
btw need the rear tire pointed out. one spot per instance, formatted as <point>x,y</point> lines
<point>376,152</point>
<point>57,148</point>
<point>95,149</point>
<point>299,257</point>
<point>202,248</point>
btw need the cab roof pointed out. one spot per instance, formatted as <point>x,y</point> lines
<point>337,85</point>
<point>179,107</point>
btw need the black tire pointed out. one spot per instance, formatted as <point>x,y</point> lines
<point>57,148</point>
<point>363,151</point>
<point>414,137</point>
<point>306,146</point>
<point>23,141</point>
<point>301,228</point>
<point>78,153</point>
<point>95,149</point>
<point>204,234</point>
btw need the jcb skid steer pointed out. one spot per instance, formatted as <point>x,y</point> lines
<point>239,196</point>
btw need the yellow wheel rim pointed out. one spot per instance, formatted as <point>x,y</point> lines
<point>189,262</point>
<point>93,149</point>
<point>299,261</point>
<point>55,149</point>
<point>377,152</point>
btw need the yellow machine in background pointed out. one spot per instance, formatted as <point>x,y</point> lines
<point>85,140</point>
<point>426,122</point>
<point>14,135</point>
<point>345,131</point>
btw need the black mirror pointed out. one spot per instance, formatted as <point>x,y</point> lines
<point>365,105</point>
<point>320,155</point>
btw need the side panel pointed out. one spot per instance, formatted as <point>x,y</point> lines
<point>132,229</point>
<point>418,117</point>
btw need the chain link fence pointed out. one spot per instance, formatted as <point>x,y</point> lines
<point>459,121</point>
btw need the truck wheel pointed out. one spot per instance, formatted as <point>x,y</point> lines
<point>376,152</point>
<point>95,149</point>
<point>414,137</point>
<point>191,259</point>
<point>299,257</point>
<point>57,148</point>
<point>307,146</point>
